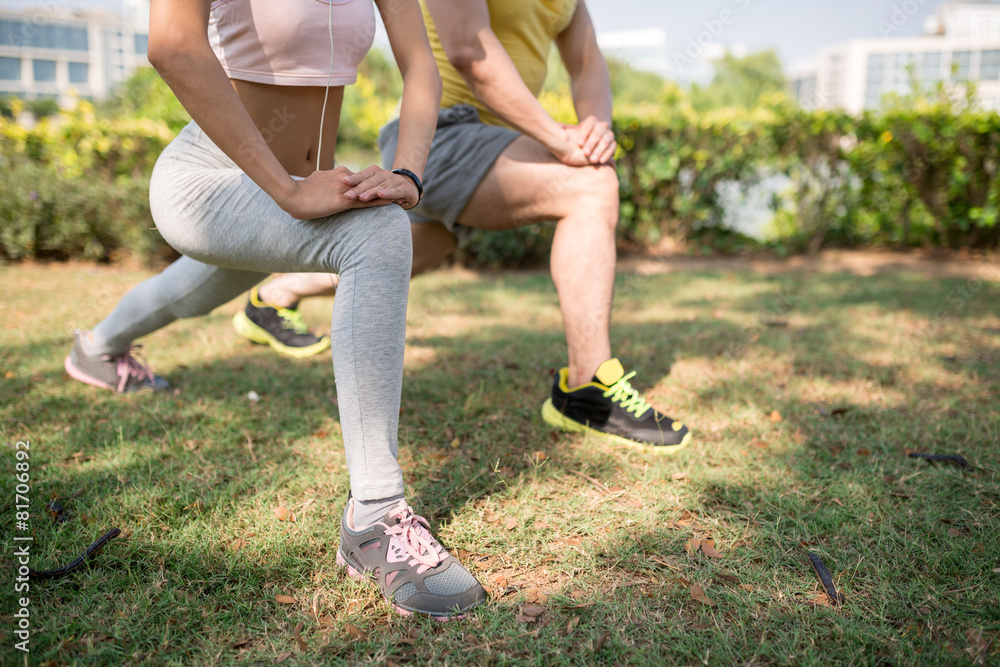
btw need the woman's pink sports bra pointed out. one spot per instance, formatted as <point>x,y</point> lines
<point>287,43</point>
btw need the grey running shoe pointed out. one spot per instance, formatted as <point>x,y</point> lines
<point>121,374</point>
<point>413,571</point>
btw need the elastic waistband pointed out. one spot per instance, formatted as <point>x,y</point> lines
<point>192,144</point>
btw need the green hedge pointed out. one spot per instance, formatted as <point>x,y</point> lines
<point>921,174</point>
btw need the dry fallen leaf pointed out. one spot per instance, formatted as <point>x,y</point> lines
<point>283,514</point>
<point>820,599</point>
<point>573,622</point>
<point>747,587</point>
<point>281,658</point>
<point>679,476</point>
<point>954,532</point>
<point>538,457</point>
<point>601,641</point>
<point>354,631</point>
<point>284,599</point>
<point>864,452</point>
<point>533,595</point>
<point>976,639</point>
<point>692,547</point>
<point>698,595</point>
<point>303,647</point>
<point>708,548</point>
<point>540,525</point>
<point>521,618</point>
<point>9,374</point>
<point>500,581</point>
<point>532,610</point>
<point>511,523</point>
<point>238,544</point>
<point>326,621</point>
<point>924,611</point>
<point>776,416</point>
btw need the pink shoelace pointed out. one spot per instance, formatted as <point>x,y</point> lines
<point>414,532</point>
<point>129,366</point>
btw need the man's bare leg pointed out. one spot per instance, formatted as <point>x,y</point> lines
<point>526,185</point>
<point>287,289</point>
<point>432,242</point>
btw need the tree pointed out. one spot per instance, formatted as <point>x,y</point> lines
<point>146,95</point>
<point>740,82</point>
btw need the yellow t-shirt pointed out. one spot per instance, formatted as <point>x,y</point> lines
<point>525,28</point>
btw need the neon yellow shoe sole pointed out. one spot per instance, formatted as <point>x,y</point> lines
<point>257,334</point>
<point>557,419</point>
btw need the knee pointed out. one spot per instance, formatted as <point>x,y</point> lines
<point>389,245</point>
<point>595,192</point>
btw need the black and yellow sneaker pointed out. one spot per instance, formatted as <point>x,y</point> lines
<point>281,328</point>
<point>609,406</point>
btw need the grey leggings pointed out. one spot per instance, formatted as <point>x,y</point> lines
<point>233,235</point>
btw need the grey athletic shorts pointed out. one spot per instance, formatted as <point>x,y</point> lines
<point>463,151</point>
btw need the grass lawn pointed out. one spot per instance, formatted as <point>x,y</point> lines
<point>804,390</point>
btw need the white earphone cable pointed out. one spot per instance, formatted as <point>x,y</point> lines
<point>326,95</point>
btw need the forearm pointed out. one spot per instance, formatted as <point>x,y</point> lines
<point>496,83</point>
<point>418,115</point>
<point>201,85</point>
<point>592,93</point>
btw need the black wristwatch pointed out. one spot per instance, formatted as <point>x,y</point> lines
<point>416,181</point>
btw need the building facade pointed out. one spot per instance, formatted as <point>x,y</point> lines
<point>45,54</point>
<point>962,44</point>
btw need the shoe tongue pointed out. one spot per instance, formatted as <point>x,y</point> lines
<point>609,372</point>
<point>392,516</point>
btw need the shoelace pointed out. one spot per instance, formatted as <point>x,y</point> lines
<point>129,366</point>
<point>294,319</point>
<point>630,399</point>
<point>414,531</point>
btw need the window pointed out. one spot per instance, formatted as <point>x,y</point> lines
<point>141,44</point>
<point>79,73</point>
<point>905,63</point>
<point>931,72</point>
<point>47,36</point>
<point>962,64</point>
<point>876,69</point>
<point>45,70</point>
<point>10,69</point>
<point>989,70</point>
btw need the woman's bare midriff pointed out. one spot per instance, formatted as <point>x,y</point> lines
<point>289,116</point>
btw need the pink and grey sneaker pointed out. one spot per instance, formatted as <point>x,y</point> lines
<point>120,373</point>
<point>414,572</point>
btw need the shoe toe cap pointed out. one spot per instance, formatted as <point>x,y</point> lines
<point>159,383</point>
<point>443,605</point>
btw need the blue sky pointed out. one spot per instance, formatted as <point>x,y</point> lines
<point>796,29</point>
